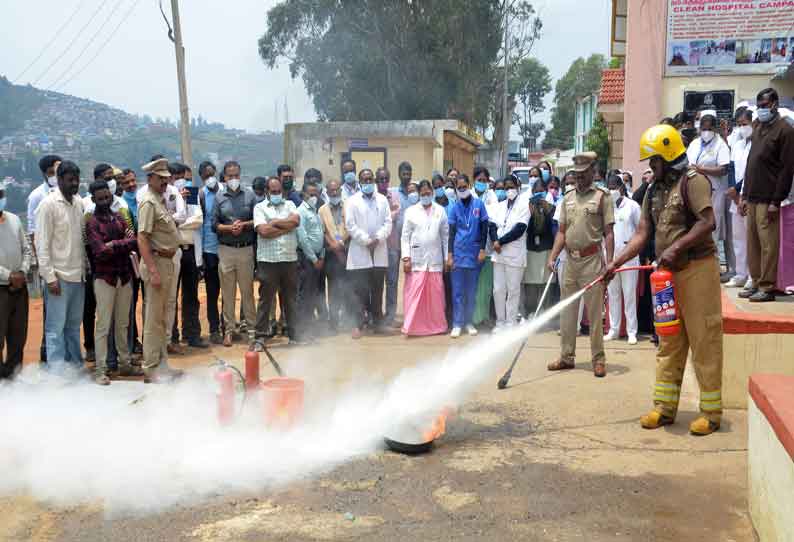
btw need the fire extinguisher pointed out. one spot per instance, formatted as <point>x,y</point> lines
<point>665,308</point>
<point>251,370</point>
<point>225,380</point>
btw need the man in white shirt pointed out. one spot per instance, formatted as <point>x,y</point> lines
<point>624,285</point>
<point>48,165</point>
<point>368,220</point>
<point>61,252</point>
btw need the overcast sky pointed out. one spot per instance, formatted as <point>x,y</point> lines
<point>134,68</point>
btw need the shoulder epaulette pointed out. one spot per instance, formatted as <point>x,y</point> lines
<point>691,172</point>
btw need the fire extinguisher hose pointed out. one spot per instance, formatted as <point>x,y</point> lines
<point>629,268</point>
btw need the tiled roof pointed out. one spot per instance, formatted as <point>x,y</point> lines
<point>613,84</point>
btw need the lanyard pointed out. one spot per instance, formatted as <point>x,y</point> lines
<point>471,211</point>
<point>509,210</point>
<point>703,148</point>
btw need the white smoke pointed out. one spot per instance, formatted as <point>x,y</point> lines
<point>72,442</point>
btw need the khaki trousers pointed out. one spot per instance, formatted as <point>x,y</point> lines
<point>155,332</point>
<point>171,314</point>
<point>236,268</point>
<point>763,246</point>
<point>697,295</point>
<point>112,307</point>
<point>578,273</point>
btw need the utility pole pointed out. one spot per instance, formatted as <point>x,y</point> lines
<point>505,121</point>
<point>184,125</point>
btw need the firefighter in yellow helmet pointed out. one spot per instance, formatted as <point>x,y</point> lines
<point>677,212</point>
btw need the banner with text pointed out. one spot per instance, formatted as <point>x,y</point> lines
<point>717,37</point>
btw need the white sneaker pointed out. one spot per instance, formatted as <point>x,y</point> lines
<point>610,337</point>
<point>736,282</point>
<point>498,328</point>
<point>749,284</point>
<point>455,332</point>
<point>632,339</point>
<point>471,330</point>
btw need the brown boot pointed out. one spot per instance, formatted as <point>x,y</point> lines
<point>561,365</point>
<point>599,369</point>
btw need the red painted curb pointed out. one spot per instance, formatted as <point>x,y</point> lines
<point>735,322</point>
<point>774,396</point>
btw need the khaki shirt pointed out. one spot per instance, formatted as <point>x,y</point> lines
<point>155,221</point>
<point>668,214</point>
<point>586,216</point>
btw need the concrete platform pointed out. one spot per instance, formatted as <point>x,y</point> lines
<point>770,422</point>
<point>759,338</point>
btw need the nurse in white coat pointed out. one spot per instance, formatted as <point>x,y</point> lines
<point>424,241</point>
<point>624,286</point>
<point>508,225</point>
<point>739,153</point>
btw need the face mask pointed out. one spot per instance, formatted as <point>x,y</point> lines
<point>439,192</point>
<point>350,177</point>
<point>335,200</point>
<point>2,204</point>
<point>463,194</point>
<point>764,114</point>
<point>276,199</point>
<point>212,183</point>
<point>52,181</point>
<point>426,200</point>
<point>600,184</point>
<point>312,201</point>
<point>616,195</point>
<point>368,188</point>
<point>288,184</point>
<point>450,193</point>
<point>128,196</point>
<point>180,184</point>
<point>532,181</point>
<point>707,136</point>
<point>745,131</point>
<point>546,174</point>
<point>233,184</point>
<point>539,195</point>
<point>512,194</point>
<point>480,187</point>
<point>697,125</point>
<point>112,185</point>
<point>413,197</point>
<point>501,195</point>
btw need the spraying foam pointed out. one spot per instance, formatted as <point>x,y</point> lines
<point>74,442</point>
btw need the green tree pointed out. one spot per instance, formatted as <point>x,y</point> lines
<point>530,85</point>
<point>581,79</point>
<point>598,141</point>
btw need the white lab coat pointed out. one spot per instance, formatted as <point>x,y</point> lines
<point>367,219</point>
<point>425,237</point>
<point>513,254</point>
<point>627,219</point>
<point>716,153</point>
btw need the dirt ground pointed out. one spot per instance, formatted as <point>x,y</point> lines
<point>553,457</point>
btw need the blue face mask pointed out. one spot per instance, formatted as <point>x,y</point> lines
<point>764,114</point>
<point>413,197</point>
<point>539,195</point>
<point>350,177</point>
<point>2,204</point>
<point>601,184</point>
<point>426,200</point>
<point>276,199</point>
<point>501,194</point>
<point>368,188</point>
<point>545,174</point>
<point>336,200</point>
<point>128,196</point>
<point>439,192</point>
<point>451,195</point>
<point>480,187</point>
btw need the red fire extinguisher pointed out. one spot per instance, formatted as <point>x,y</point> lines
<point>251,370</point>
<point>225,380</point>
<point>665,309</point>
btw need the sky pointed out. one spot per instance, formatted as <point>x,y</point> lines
<point>130,63</point>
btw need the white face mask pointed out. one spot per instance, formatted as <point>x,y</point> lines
<point>312,201</point>
<point>212,183</point>
<point>112,186</point>
<point>745,131</point>
<point>707,135</point>
<point>512,193</point>
<point>532,181</point>
<point>233,184</point>
<point>52,181</point>
<point>615,195</point>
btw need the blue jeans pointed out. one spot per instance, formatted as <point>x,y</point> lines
<point>392,280</point>
<point>464,295</point>
<point>62,327</point>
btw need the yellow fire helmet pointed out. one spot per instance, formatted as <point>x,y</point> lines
<point>661,140</point>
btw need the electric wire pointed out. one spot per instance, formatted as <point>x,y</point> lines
<point>49,44</point>
<point>101,48</point>
<point>71,43</point>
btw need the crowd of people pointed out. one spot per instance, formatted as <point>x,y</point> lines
<point>475,252</point>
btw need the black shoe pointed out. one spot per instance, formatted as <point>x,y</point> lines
<point>216,337</point>
<point>584,330</point>
<point>747,293</point>
<point>198,342</point>
<point>138,348</point>
<point>762,297</point>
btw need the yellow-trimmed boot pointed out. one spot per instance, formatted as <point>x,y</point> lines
<point>703,426</point>
<point>655,420</point>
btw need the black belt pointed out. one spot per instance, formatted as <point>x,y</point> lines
<point>237,245</point>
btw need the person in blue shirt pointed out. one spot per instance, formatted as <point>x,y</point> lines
<point>209,246</point>
<point>468,233</point>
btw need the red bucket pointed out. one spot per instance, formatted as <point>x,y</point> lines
<point>282,402</point>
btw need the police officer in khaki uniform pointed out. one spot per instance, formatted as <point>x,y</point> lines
<point>678,206</point>
<point>586,220</point>
<point>158,241</point>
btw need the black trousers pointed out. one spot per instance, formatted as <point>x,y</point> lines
<point>308,295</point>
<point>281,277</point>
<point>188,286</point>
<point>340,291</point>
<point>43,347</point>
<point>89,314</point>
<point>13,329</point>
<point>368,286</point>
<point>448,296</point>
<point>212,281</point>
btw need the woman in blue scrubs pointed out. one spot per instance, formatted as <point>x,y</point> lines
<point>468,232</point>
